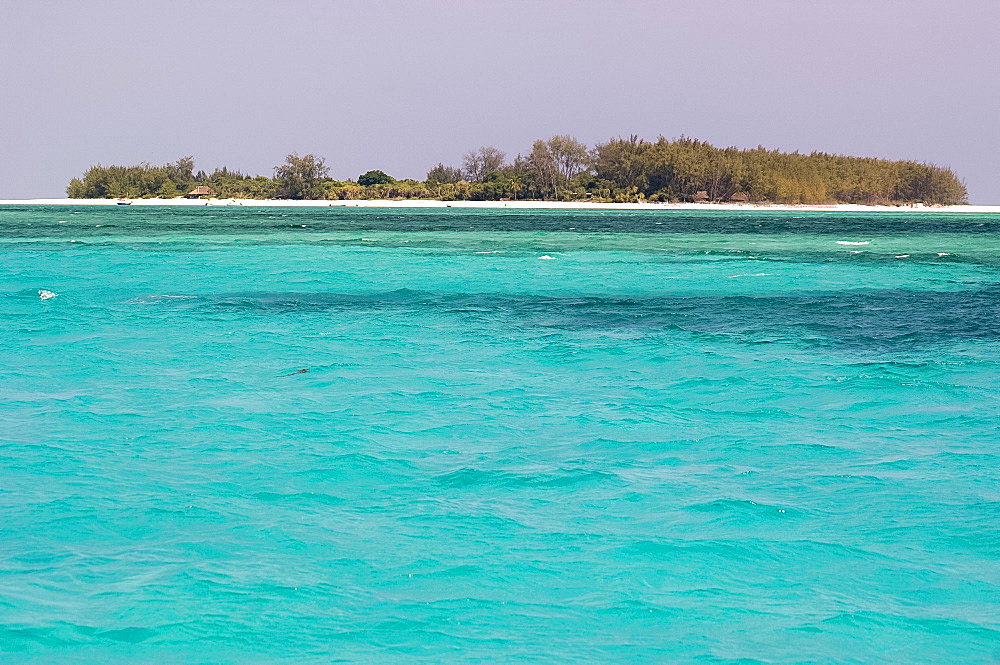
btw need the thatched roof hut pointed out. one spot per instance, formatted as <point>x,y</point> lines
<point>200,191</point>
<point>701,196</point>
<point>739,197</point>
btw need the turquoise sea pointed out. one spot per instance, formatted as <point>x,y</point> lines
<point>569,436</point>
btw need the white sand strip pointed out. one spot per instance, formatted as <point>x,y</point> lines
<point>516,205</point>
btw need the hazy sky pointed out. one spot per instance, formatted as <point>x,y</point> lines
<point>401,86</point>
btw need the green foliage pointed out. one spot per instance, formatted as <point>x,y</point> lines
<point>236,185</point>
<point>395,189</point>
<point>180,173</point>
<point>375,178</point>
<point>481,163</point>
<point>570,156</point>
<point>301,177</point>
<point>677,170</point>
<point>442,174</point>
<point>76,189</point>
<point>561,168</point>
<point>142,181</point>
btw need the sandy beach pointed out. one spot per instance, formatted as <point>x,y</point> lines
<point>517,205</point>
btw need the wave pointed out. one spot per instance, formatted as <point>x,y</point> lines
<point>739,510</point>
<point>894,317</point>
<point>734,550</point>
<point>469,477</point>
<point>937,626</point>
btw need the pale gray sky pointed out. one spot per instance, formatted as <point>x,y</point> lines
<point>401,86</point>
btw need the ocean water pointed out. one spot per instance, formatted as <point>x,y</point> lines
<point>583,436</point>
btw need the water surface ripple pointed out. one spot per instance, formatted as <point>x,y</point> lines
<point>522,436</point>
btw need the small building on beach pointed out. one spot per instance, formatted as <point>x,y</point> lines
<point>701,196</point>
<point>739,197</point>
<point>200,191</point>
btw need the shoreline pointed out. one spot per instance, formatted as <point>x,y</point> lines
<point>510,205</point>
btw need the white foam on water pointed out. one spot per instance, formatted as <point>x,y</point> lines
<point>756,274</point>
<point>902,256</point>
<point>45,294</point>
<point>943,254</point>
<point>546,257</point>
<point>856,251</point>
<point>852,243</point>
<point>156,299</point>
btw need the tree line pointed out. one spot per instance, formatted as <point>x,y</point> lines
<point>564,169</point>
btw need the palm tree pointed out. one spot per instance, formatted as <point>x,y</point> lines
<point>515,185</point>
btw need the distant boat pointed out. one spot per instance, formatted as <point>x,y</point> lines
<point>123,202</point>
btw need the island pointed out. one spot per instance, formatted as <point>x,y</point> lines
<point>563,169</point>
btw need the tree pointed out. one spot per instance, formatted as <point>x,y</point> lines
<point>623,169</point>
<point>514,184</point>
<point>375,178</point>
<point>620,161</point>
<point>301,177</point>
<point>181,173</point>
<point>543,168</point>
<point>76,189</point>
<point>444,175</point>
<point>482,162</point>
<point>570,156</point>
